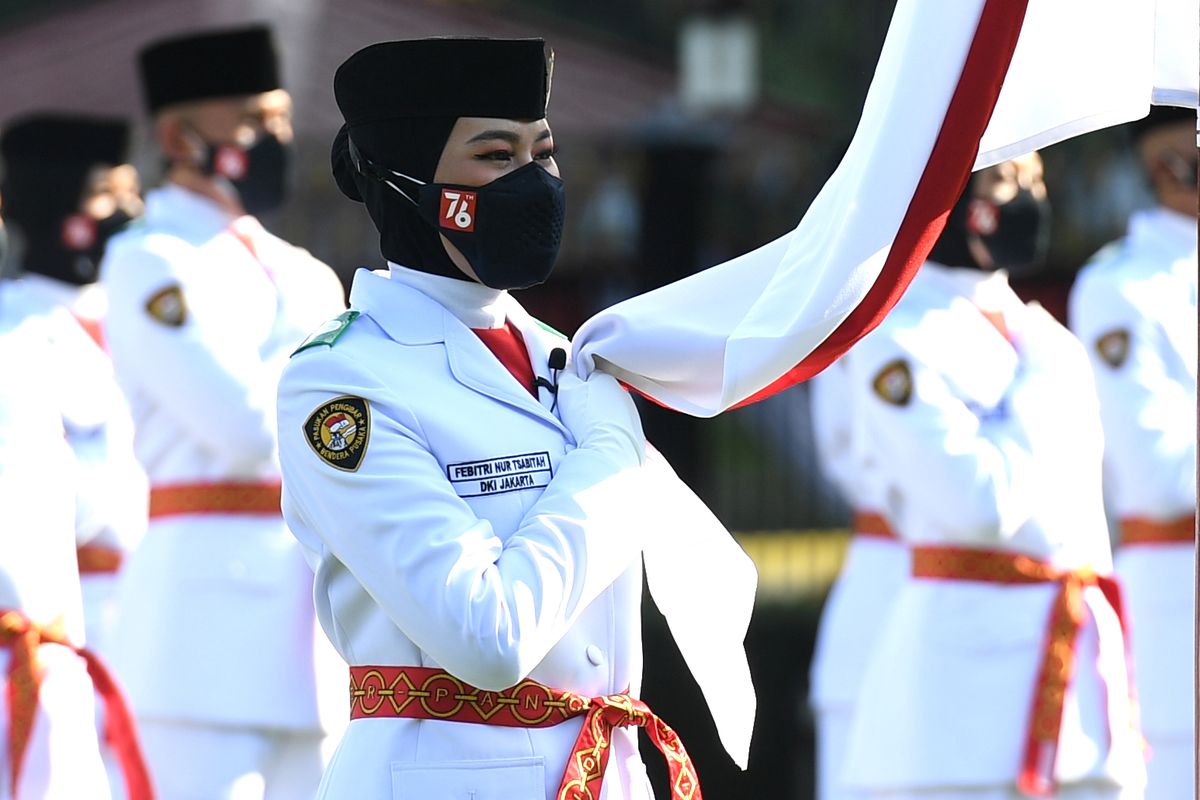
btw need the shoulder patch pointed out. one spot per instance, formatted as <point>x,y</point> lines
<point>329,332</point>
<point>894,383</point>
<point>338,431</point>
<point>168,306</point>
<point>1113,347</point>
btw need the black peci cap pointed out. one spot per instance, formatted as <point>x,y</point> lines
<point>62,138</point>
<point>47,160</point>
<point>447,78</point>
<point>226,63</point>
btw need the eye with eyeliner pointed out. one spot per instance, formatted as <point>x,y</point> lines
<point>495,155</point>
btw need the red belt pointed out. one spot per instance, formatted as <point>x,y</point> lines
<point>96,559</point>
<point>1138,530</point>
<point>1036,776</point>
<point>22,637</point>
<point>224,497</point>
<point>424,693</point>
<point>874,525</point>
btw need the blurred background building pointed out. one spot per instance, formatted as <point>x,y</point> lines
<point>690,131</point>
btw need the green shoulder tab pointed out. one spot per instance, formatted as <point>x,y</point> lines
<point>329,333</point>
<point>549,329</point>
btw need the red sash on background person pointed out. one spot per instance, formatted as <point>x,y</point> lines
<point>1036,776</point>
<point>22,637</point>
<point>1142,531</point>
<point>873,525</point>
<point>97,559</point>
<point>216,497</point>
<point>434,694</point>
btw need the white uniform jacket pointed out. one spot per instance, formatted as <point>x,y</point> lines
<point>111,513</point>
<point>874,568</point>
<point>38,492</point>
<point>1134,309</point>
<point>112,509</point>
<point>201,324</point>
<point>473,535</point>
<point>997,445</point>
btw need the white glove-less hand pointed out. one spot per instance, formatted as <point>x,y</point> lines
<point>601,416</point>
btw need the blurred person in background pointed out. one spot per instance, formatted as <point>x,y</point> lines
<point>216,637</point>
<point>876,564</point>
<point>49,748</point>
<point>68,190</point>
<point>1134,308</point>
<point>1001,670</point>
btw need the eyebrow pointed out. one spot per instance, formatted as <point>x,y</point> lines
<point>507,136</point>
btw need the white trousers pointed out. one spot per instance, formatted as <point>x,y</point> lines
<point>189,761</point>
<point>833,733</point>
<point>1170,772</point>
<point>1076,791</point>
<point>62,759</point>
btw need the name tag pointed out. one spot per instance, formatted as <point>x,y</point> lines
<point>500,475</point>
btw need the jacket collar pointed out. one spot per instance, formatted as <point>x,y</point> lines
<point>173,208</point>
<point>1163,230</point>
<point>410,317</point>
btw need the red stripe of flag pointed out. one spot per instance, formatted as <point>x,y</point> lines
<point>941,183</point>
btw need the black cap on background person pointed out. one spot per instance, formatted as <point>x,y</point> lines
<point>401,101</point>
<point>222,117</point>
<point>67,189</point>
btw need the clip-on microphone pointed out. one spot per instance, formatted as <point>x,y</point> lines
<point>557,361</point>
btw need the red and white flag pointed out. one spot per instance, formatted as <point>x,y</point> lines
<point>960,85</point>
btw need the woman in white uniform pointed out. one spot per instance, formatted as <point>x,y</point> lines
<point>475,514</point>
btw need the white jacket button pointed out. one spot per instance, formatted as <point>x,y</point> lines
<point>594,655</point>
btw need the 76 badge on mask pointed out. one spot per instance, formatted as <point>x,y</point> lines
<point>338,431</point>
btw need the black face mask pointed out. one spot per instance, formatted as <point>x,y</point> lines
<point>509,230</point>
<point>259,174</point>
<point>74,255</point>
<point>1015,233</point>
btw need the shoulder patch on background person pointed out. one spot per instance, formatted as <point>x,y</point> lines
<point>338,431</point>
<point>168,306</point>
<point>1113,347</point>
<point>329,332</point>
<point>894,382</point>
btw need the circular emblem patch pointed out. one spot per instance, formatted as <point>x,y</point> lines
<point>338,431</point>
<point>168,307</point>
<point>894,383</point>
<point>1113,347</point>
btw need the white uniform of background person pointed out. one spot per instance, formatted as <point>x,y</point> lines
<point>985,444</point>
<point>100,432</point>
<point>421,565</point>
<point>876,564</point>
<point>1134,308</point>
<point>66,190</point>
<point>216,634</point>
<point>38,577</point>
